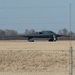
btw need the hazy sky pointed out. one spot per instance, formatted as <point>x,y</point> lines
<point>36,14</point>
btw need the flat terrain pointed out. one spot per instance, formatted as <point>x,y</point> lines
<point>37,45</point>
<point>35,58</point>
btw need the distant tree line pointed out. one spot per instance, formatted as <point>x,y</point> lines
<point>8,32</point>
<point>14,34</point>
<point>65,32</point>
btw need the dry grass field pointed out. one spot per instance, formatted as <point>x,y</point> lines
<point>37,45</point>
<point>35,58</point>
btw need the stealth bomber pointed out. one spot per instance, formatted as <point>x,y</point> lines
<point>52,36</point>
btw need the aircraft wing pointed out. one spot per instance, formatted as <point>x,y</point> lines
<point>62,35</point>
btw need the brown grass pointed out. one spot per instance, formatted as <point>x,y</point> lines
<point>24,45</point>
<point>35,58</point>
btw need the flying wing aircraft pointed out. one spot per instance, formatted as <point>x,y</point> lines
<point>52,36</point>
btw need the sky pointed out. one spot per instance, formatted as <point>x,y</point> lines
<point>36,14</point>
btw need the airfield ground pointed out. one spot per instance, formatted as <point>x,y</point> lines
<point>37,45</point>
<point>19,57</point>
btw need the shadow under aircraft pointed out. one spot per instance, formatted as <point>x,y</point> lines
<point>50,35</point>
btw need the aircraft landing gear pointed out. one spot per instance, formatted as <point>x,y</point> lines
<point>31,39</point>
<point>53,38</point>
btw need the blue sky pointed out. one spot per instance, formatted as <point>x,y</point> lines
<point>36,14</point>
